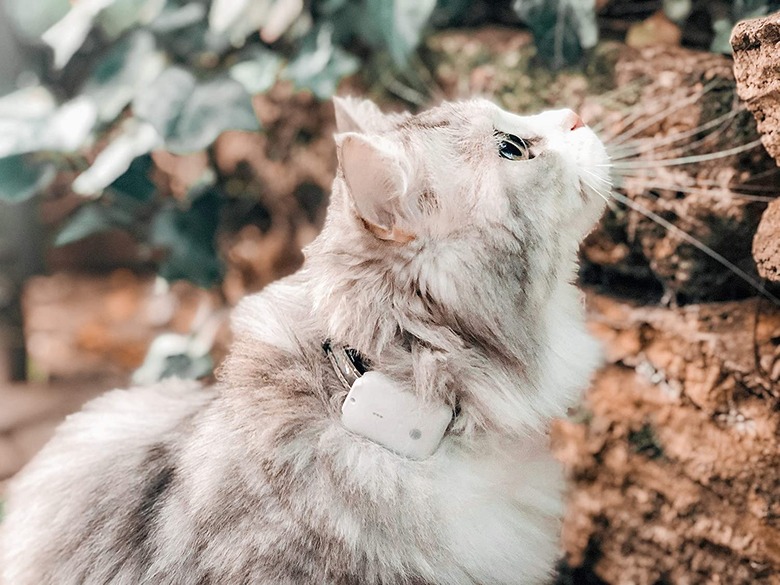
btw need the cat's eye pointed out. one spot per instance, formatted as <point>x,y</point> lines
<point>512,147</point>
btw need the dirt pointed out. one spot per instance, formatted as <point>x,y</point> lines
<point>79,325</point>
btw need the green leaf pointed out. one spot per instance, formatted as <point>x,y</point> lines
<point>21,179</point>
<point>562,28</point>
<point>129,196</point>
<point>189,115</point>
<point>213,107</point>
<point>258,72</point>
<point>68,34</point>
<point>330,6</point>
<point>62,130</point>
<point>401,24</point>
<point>122,15</point>
<point>721,42</point>
<point>135,184</point>
<point>91,219</point>
<point>187,367</point>
<point>32,19</point>
<point>125,71</point>
<point>677,10</point>
<point>189,238</point>
<point>193,44</point>
<point>174,18</point>
<point>163,101</point>
<point>136,139</point>
<point>319,65</point>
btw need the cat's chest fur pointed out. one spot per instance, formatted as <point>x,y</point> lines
<point>480,510</point>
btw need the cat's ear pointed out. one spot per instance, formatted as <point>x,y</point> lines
<point>377,176</point>
<point>357,115</point>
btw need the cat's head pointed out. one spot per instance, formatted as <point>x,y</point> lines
<point>464,212</point>
<point>469,165</point>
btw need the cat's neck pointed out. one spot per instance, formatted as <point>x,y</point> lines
<point>491,363</point>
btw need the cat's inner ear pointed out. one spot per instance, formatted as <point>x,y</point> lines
<point>376,173</point>
<point>357,115</point>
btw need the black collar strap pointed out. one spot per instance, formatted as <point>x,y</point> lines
<point>347,363</point>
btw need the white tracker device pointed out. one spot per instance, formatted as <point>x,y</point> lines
<point>381,410</point>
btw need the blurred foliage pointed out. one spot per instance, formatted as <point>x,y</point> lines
<point>562,29</point>
<point>123,78</point>
<point>120,79</point>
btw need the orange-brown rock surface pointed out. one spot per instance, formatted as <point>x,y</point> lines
<point>766,243</point>
<point>756,45</point>
<point>673,457</point>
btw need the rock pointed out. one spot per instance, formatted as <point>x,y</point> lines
<point>756,45</point>
<point>685,109</point>
<point>766,244</point>
<point>655,30</point>
<point>674,457</point>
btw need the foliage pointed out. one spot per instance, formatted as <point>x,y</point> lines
<point>120,79</point>
<point>562,29</point>
<point>171,75</point>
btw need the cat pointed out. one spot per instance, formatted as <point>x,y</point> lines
<point>446,263</point>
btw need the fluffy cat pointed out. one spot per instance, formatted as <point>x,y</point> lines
<point>447,261</point>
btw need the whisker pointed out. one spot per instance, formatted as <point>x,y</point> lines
<point>715,193</point>
<point>629,113</point>
<point>599,177</point>
<point>680,150</point>
<point>762,174</point>
<point>752,281</point>
<point>606,183</point>
<point>649,145</point>
<point>663,114</point>
<point>626,118</point>
<point>736,188</point>
<point>625,122</point>
<point>621,89</point>
<point>685,160</point>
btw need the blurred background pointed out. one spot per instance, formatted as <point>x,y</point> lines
<point>160,159</point>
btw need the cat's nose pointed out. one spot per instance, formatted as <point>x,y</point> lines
<point>572,121</point>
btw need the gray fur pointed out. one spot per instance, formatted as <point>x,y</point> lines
<point>464,294</point>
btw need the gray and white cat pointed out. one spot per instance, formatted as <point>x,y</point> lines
<point>447,261</point>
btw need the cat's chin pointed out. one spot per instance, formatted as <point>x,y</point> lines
<point>594,180</point>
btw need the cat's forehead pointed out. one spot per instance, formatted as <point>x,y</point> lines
<point>477,117</point>
<point>453,115</point>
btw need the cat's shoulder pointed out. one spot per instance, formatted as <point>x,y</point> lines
<point>277,315</point>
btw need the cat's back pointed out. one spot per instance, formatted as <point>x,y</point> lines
<point>90,491</point>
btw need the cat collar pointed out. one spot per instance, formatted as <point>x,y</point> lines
<point>348,364</point>
<point>384,411</point>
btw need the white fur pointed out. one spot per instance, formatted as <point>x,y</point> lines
<point>451,269</point>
